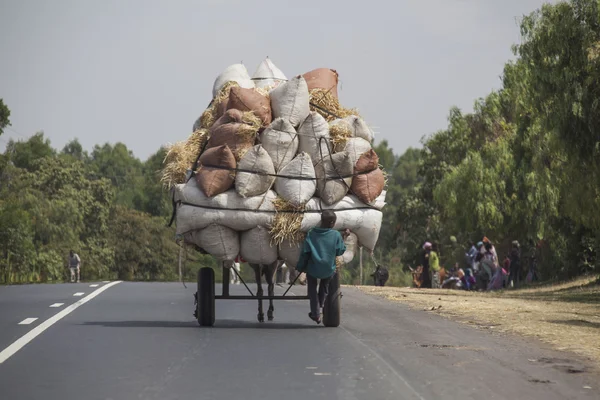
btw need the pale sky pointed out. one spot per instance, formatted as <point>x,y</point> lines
<point>141,71</point>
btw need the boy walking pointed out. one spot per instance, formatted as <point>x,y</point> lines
<point>321,247</point>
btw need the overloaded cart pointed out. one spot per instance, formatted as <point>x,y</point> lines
<point>263,161</point>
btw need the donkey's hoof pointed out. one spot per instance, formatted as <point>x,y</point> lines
<point>270,316</point>
<point>261,318</point>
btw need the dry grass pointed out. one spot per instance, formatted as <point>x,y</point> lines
<point>181,156</point>
<point>249,130</point>
<point>286,225</point>
<point>340,132</point>
<point>566,316</point>
<point>209,116</point>
<point>324,99</point>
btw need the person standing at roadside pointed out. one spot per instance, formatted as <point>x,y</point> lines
<point>74,265</point>
<point>425,275</point>
<point>514,278</point>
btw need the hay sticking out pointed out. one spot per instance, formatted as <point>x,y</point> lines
<point>181,156</point>
<point>339,262</point>
<point>286,225</point>
<point>249,129</point>
<point>324,99</point>
<point>340,133</point>
<point>209,116</point>
<point>386,176</point>
<point>264,91</point>
<point>249,118</point>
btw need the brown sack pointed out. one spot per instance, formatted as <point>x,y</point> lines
<point>368,181</point>
<point>213,181</point>
<point>231,131</point>
<point>228,116</point>
<point>322,78</point>
<point>367,161</point>
<point>250,100</point>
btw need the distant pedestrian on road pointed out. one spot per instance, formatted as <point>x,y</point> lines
<point>321,247</point>
<point>74,265</point>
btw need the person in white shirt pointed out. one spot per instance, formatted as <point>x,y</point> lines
<point>234,278</point>
<point>74,265</point>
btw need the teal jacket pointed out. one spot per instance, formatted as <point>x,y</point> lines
<point>321,247</point>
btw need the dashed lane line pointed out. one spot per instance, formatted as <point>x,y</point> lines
<point>35,332</point>
<point>56,305</point>
<point>78,294</point>
<point>27,321</point>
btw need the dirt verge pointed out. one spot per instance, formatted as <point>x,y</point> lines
<point>565,315</point>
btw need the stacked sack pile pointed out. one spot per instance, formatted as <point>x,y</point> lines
<point>266,156</point>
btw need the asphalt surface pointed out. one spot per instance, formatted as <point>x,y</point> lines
<point>140,341</point>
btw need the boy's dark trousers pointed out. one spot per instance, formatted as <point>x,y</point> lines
<point>317,299</point>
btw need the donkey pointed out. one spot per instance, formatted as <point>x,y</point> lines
<point>269,271</point>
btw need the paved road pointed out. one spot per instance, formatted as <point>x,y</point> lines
<point>140,341</point>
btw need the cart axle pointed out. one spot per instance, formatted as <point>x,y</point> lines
<point>247,297</point>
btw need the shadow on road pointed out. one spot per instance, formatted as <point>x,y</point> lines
<point>220,324</point>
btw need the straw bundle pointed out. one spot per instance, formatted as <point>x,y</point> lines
<point>340,133</point>
<point>286,224</point>
<point>209,116</point>
<point>180,157</point>
<point>325,100</point>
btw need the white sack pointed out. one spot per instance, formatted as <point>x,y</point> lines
<point>256,246</point>
<point>339,164</point>
<point>237,73</point>
<point>351,242</point>
<point>356,147</point>
<point>281,142</point>
<point>297,191</point>
<point>359,128</point>
<point>290,101</point>
<point>247,184</point>
<point>267,74</point>
<point>290,253</point>
<point>190,217</point>
<point>379,202</point>
<point>219,241</point>
<point>365,223</point>
<point>312,129</point>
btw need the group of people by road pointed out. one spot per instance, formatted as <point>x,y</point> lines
<point>482,270</point>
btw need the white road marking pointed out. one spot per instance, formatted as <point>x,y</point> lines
<point>322,373</point>
<point>78,294</point>
<point>56,305</point>
<point>27,321</point>
<point>32,334</point>
<point>94,285</point>
<point>311,367</point>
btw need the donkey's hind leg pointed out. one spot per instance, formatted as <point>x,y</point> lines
<point>270,278</point>
<point>259,290</point>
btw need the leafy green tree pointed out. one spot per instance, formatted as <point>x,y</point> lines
<point>25,154</point>
<point>4,116</point>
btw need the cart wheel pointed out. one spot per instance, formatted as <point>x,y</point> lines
<point>206,297</point>
<point>332,308</point>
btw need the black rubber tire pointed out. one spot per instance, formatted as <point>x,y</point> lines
<point>206,296</point>
<point>332,309</point>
